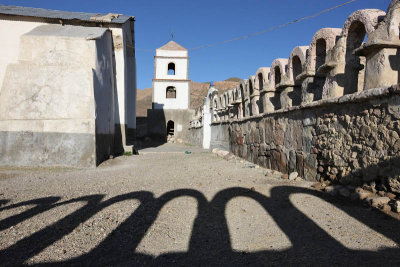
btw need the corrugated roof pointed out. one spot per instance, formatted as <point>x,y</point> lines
<point>90,33</point>
<point>171,45</point>
<point>57,14</point>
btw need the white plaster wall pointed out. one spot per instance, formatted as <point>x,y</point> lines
<point>103,83</point>
<point>55,77</point>
<point>171,53</point>
<point>159,95</point>
<point>130,75</point>
<point>120,72</point>
<point>10,32</point>
<point>125,64</point>
<point>181,68</point>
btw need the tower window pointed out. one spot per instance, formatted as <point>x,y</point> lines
<point>171,69</point>
<point>171,92</point>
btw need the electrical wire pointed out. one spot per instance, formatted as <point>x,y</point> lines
<point>263,31</point>
<point>273,28</point>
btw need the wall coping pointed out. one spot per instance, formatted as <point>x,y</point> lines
<point>351,98</point>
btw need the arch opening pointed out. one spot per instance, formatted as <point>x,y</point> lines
<point>320,53</point>
<point>243,108</point>
<point>297,68</point>
<point>260,82</point>
<point>260,102</point>
<point>171,92</point>
<point>251,90</point>
<point>354,69</point>
<point>277,75</point>
<point>170,129</point>
<point>171,68</point>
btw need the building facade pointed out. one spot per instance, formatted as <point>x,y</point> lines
<point>67,86</point>
<point>171,113</point>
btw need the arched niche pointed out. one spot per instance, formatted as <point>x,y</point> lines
<point>355,31</point>
<point>296,64</point>
<point>171,68</point>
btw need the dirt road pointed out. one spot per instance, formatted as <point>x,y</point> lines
<point>161,208</point>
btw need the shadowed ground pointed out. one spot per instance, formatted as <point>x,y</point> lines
<point>183,209</point>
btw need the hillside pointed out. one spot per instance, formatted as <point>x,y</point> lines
<point>198,92</point>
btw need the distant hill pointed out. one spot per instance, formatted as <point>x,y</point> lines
<point>233,79</point>
<point>143,102</point>
<point>198,92</point>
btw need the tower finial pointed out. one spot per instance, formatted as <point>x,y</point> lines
<point>172,36</point>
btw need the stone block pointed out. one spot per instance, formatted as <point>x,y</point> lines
<point>278,161</point>
<point>292,161</point>
<point>310,167</point>
<point>269,130</point>
<point>300,164</point>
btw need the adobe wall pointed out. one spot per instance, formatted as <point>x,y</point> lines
<point>62,112</point>
<point>13,27</point>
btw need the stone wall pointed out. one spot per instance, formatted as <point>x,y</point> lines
<point>352,139</point>
<point>329,111</point>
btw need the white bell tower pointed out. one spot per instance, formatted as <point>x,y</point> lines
<point>171,77</point>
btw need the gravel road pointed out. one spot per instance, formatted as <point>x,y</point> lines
<point>161,208</point>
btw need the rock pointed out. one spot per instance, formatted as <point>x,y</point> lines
<point>390,195</point>
<point>379,201</point>
<point>229,157</point>
<point>293,176</point>
<point>215,150</point>
<point>396,206</point>
<point>285,176</point>
<point>222,153</point>
<point>394,184</point>
<point>363,194</point>
<point>317,186</point>
<point>386,208</point>
<point>298,178</point>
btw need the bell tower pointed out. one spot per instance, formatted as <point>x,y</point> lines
<point>171,78</point>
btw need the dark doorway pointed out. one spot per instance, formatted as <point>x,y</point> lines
<point>170,129</point>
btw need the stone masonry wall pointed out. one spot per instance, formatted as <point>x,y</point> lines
<point>351,140</point>
<point>330,111</point>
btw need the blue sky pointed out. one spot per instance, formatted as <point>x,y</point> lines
<point>196,23</point>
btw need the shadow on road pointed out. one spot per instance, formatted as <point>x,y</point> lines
<point>210,240</point>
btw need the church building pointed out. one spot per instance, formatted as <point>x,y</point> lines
<point>170,114</point>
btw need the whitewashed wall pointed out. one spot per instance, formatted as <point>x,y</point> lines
<point>162,102</point>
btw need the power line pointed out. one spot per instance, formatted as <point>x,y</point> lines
<point>273,28</point>
<point>261,32</point>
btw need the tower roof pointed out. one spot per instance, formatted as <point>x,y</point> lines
<point>171,45</point>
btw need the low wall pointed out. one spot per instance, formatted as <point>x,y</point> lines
<point>196,136</point>
<point>157,120</point>
<point>220,135</point>
<point>351,139</point>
